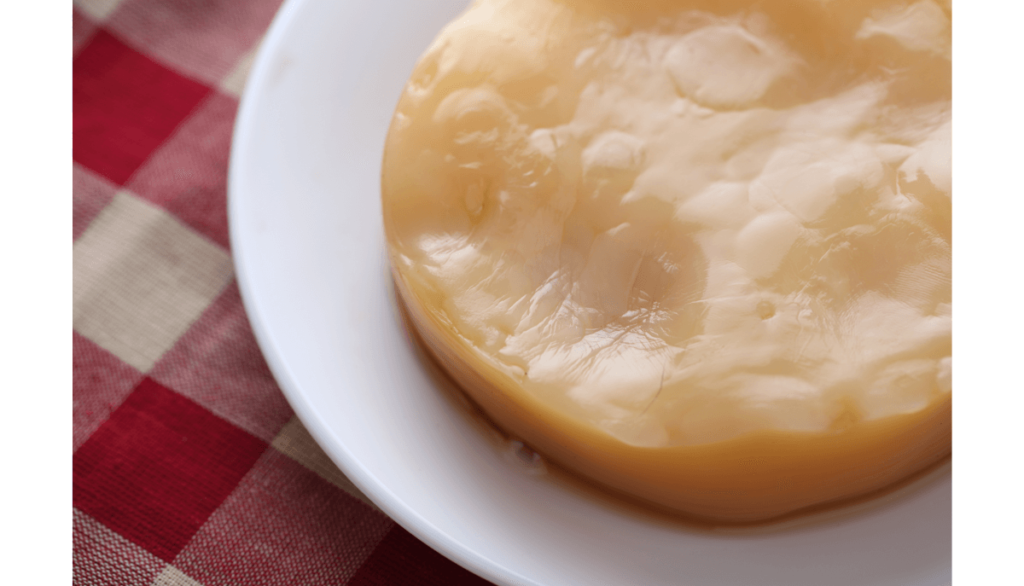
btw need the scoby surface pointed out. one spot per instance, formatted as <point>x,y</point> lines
<point>690,221</point>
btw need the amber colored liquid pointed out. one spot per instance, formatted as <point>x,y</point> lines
<point>512,448</point>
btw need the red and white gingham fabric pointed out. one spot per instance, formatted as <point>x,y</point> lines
<point>189,466</point>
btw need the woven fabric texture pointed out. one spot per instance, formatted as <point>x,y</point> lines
<point>189,467</point>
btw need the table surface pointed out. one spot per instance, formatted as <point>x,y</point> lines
<point>189,466</point>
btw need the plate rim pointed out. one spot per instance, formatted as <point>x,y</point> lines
<point>396,510</point>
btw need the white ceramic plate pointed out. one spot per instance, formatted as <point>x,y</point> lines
<point>309,250</point>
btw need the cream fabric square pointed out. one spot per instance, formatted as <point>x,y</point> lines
<point>172,576</point>
<point>101,556</point>
<point>98,10</point>
<point>141,278</point>
<point>296,443</point>
<point>234,83</point>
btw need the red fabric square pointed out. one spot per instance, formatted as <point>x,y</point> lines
<point>187,175</point>
<point>100,383</point>
<point>283,525</point>
<point>204,38</point>
<point>402,559</point>
<point>90,193</point>
<point>81,30</point>
<point>158,467</point>
<point>218,365</point>
<point>124,106</point>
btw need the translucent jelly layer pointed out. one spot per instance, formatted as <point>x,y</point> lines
<point>697,251</point>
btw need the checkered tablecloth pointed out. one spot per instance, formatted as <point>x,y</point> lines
<point>189,467</point>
